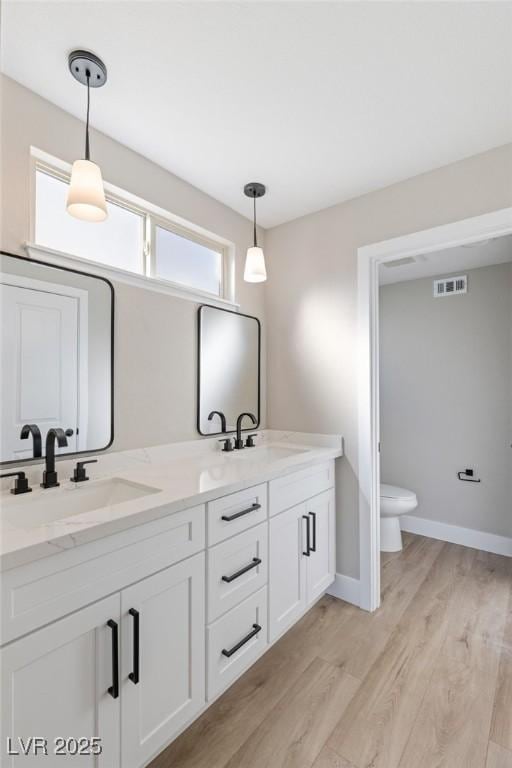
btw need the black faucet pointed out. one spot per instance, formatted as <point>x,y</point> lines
<point>34,430</point>
<point>239,443</point>
<point>222,419</point>
<point>49,474</point>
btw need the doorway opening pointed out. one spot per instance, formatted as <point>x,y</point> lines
<point>404,250</point>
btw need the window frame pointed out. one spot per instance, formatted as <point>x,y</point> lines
<point>152,216</point>
<point>175,229</point>
<point>55,173</point>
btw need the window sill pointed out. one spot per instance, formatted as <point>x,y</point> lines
<point>61,259</point>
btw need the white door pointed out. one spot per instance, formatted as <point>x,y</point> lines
<point>55,685</point>
<point>287,582</point>
<point>39,366</point>
<point>321,567</point>
<point>163,684</point>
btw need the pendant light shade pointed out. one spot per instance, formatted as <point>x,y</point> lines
<point>86,196</point>
<point>255,271</point>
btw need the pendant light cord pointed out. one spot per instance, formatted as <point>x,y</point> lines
<point>87,153</point>
<point>254,208</point>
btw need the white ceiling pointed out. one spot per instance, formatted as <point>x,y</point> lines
<point>450,261</point>
<point>321,101</point>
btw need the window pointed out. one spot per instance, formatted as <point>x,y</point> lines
<point>186,261</point>
<point>117,242</point>
<point>137,237</point>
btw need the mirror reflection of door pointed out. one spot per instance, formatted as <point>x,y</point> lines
<point>40,375</point>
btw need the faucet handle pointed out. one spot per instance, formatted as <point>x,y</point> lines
<point>20,484</point>
<point>79,474</point>
<point>228,445</point>
<point>249,443</point>
<point>68,432</point>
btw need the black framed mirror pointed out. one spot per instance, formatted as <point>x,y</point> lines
<point>229,368</point>
<point>57,358</point>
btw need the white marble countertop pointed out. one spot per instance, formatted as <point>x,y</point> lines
<point>180,475</point>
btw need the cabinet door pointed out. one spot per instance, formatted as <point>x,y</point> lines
<point>320,567</point>
<point>168,688</point>
<point>287,583</point>
<point>55,684</point>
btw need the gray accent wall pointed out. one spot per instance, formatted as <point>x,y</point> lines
<point>446,397</point>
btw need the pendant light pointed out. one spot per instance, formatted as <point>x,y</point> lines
<point>255,271</point>
<point>86,197</point>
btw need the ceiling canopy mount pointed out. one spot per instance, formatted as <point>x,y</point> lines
<point>87,68</point>
<point>255,189</point>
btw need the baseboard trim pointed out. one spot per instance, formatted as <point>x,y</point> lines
<point>346,588</point>
<point>467,537</point>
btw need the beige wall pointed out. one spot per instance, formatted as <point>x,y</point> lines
<point>312,309</point>
<point>155,394</point>
<point>446,397</point>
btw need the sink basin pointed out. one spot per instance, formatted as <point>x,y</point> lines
<point>44,507</point>
<point>269,453</point>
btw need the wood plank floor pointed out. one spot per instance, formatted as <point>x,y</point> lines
<point>424,682</point>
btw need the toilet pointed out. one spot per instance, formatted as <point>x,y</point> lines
<point>394,501</point>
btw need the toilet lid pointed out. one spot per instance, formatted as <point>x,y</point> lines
<point>395,492</point>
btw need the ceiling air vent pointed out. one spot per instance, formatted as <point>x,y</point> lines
<point>449,286</point>
<point>399,262</point>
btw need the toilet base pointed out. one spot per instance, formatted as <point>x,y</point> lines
<point>390,534</point>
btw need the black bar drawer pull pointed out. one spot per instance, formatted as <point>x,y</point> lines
<point>255,629</point>
<point>229,518</point>
<point>308,541</point>
<point>134,676</point>
<point>313,546</point>
<point>255,562</point>
<point>114,688</point>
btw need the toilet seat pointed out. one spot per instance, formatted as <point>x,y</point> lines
<point>395,492</point>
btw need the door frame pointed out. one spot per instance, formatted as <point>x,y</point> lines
<point>82,297</point>
<point>369,257</point>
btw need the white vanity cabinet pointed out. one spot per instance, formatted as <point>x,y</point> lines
<point>131,665</point>
<point>162,660</point>
<point>301,543</point>
<point>302,564</point>
<point>130,637</point>
<point>55,683</point>
<point>321,563</point>
<point>287,570</point>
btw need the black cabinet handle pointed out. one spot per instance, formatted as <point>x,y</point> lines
<point>114,688</point>
<point>255,562</point>
<point>134,676</point>
<point>313,546</point>
<point>255,629</point>
<point>229,518</point>
<point>308,540</point>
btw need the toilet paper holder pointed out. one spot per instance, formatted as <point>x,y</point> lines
<point>467,476</point>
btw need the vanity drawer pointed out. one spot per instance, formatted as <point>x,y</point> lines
<point>40,592</point>
<point>287,491</point>
<point>236,512</point>
<point>237,635</point>
<point>237,568</point>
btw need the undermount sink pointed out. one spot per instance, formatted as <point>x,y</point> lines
<point>60,504</point>
<point>269,453</point>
